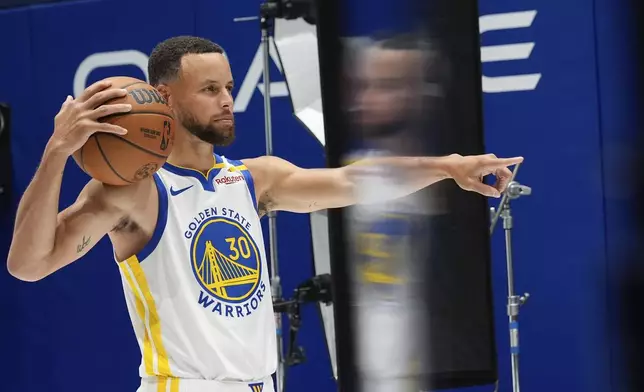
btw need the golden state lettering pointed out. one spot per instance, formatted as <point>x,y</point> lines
<point>214,211</point>
<point>226,263</point>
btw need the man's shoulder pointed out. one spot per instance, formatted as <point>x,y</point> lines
<point>264,160</point>
<point>259,165</point>
<point>269,167</point>
<point>255,160</point>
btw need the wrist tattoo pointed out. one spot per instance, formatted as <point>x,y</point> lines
<point>84,244</point>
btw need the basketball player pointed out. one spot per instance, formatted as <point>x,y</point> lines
<point>188,240</point>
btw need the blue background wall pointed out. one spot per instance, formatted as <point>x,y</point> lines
<point>70,331</point>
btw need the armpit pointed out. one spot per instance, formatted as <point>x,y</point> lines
<point>126,225</point>
<point>265,204</point>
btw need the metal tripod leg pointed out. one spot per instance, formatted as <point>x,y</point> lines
<point>276,289</point>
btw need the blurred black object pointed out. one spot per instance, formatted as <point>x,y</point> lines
<point>290,9</point>
<point>5,158</point>
<point>630,292</point>
<point>329,32</point>
<point>23,3</point>
<point>461,341</point>
<point>630,286</point>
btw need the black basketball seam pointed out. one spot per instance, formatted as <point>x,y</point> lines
<point>82,164</point>
<point>126,86</point>
<point>135,145</point>
<point>100,149</point>
<point>115,115</point>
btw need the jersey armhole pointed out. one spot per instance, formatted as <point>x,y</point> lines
<point>162,220</point>
<point>250,183</point>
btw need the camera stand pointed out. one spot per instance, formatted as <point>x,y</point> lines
<point>276,287</point>
<point>513,192</point>
<point>314,290</point>
<point>269,11</point>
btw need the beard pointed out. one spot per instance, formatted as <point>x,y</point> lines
<point>214,133</point>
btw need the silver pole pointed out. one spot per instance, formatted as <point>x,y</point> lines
<point>514,191</point>
<point>276,289</point>
<point>504,200</point>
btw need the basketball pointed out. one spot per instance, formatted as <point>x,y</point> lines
<point>122,160</point>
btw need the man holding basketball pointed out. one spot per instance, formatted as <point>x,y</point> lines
<point>188,240</point>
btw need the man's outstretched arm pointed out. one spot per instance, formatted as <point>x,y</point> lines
<point>285,187</point>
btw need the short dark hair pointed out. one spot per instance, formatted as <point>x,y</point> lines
<point>165,60</point>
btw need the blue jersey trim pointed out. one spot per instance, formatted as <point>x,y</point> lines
<point>206,180</point>
<point>162,220</point>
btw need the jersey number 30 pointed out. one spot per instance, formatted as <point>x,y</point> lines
<point>238,246</point>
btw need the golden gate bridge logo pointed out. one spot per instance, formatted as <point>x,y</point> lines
<point>225,260</point>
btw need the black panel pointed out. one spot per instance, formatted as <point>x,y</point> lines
<point>329,46</point>
<point>457,268</point>
<point>629,287</point>
<point>460,285</point>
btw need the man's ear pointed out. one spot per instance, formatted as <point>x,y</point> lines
<point>166,93</point>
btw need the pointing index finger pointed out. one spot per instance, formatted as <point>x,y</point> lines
<point>503,162</point>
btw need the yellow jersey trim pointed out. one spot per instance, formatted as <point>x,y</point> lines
<point>162,384</point>
<point>154,352</point>
<point>238,168</point>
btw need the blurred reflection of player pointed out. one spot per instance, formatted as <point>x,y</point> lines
<point>388,106</point>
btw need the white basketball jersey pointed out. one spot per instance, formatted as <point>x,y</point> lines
<point>198,294</point>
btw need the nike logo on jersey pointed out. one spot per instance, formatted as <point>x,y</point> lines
<point>180,191</point>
